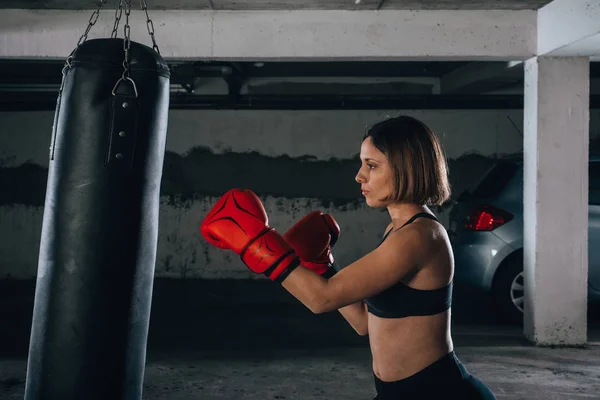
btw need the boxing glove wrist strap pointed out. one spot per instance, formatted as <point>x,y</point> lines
<point>254,252</point>
<point>286,270</point>
<point>331,271</point>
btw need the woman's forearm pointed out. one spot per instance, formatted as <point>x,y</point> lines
<point>310,289</point>
<point>317,295</point>
<point>356,315</point>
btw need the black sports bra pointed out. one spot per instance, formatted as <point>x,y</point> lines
<point>401,300</point>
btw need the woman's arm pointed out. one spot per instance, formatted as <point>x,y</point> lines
<point>400,254</point>
<point>356,315</point>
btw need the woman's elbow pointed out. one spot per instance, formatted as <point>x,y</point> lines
<point>323,304</point>
<point>322,307</point>
<point>327,299</point>
<point>362,331</point>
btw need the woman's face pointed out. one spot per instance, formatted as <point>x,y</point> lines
<point>375,175</point>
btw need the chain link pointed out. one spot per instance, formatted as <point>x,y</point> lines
<point>92,21</point>
<point>127,29</point>
<point>83,38</point>
<point>149,25</point>
<point>127,48</point>
<point>127,36</point>
<point>118,15</point>
<point>127,39</point>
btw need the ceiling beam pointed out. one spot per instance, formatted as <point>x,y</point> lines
<point>394,35</point>
<point>569,28</point>
<point>476,72</point>
<point>289,4</point>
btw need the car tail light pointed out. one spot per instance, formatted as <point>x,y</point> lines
<point>487,218</point>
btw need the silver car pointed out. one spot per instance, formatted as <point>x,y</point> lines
<point>486,230</point>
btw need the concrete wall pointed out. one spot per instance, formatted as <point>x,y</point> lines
<point>295,161</point>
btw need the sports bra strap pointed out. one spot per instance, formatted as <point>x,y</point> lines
<point>410,221</point>
<point>423,214</point>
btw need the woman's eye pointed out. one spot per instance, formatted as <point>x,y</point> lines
<point>371,166</point>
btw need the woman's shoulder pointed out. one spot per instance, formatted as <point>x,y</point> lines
<point>426,231</point>
<point>421,242</point>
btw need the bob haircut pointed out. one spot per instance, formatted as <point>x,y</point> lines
<point>417,159</point>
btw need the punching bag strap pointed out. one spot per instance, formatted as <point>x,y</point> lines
<point>125,109</point>
<point>123,127</point>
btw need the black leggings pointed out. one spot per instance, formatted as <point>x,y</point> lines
<point>446,378</point>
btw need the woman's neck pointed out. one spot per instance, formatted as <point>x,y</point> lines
<point>402,212</point>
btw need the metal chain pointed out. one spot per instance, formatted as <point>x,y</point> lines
<point>92,21</point>
<point>127,39</point>
<point>118,15</point>
<point>127,36</point>
<point>127,48</point>
<point>83,38</point>
<point>149,25</point>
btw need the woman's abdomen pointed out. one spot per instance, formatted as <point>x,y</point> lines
<point>402,347</point>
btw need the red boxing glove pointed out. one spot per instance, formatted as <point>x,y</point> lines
<point>312,238</point>
<point>238,221</point>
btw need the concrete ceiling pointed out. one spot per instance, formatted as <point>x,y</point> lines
<point>289,4</point>
<point>430,79</point>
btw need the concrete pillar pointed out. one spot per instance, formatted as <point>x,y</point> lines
<point>556,143</point>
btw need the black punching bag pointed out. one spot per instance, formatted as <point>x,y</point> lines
<point>99,234</point>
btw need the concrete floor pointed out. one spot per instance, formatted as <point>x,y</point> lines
<point>203,344</point>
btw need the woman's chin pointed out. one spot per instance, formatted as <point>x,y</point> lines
<point>374,203</point>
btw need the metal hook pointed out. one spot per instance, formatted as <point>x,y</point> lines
<point>125,79</point>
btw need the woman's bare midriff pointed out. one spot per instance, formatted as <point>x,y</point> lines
<point>402,347</point>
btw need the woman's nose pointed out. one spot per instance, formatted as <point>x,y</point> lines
<point>359,178</point>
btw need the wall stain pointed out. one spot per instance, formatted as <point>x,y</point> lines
<point>202,173</point>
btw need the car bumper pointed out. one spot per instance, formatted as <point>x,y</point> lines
<point>477,255</point>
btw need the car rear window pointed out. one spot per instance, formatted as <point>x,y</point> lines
<point>496,180</point>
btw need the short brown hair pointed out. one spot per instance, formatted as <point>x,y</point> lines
<point>416,157</point>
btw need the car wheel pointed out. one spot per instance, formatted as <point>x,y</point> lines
<point>509,290</point>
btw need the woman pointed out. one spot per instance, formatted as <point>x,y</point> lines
<point>406,282</point>
<point>400,293</point>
